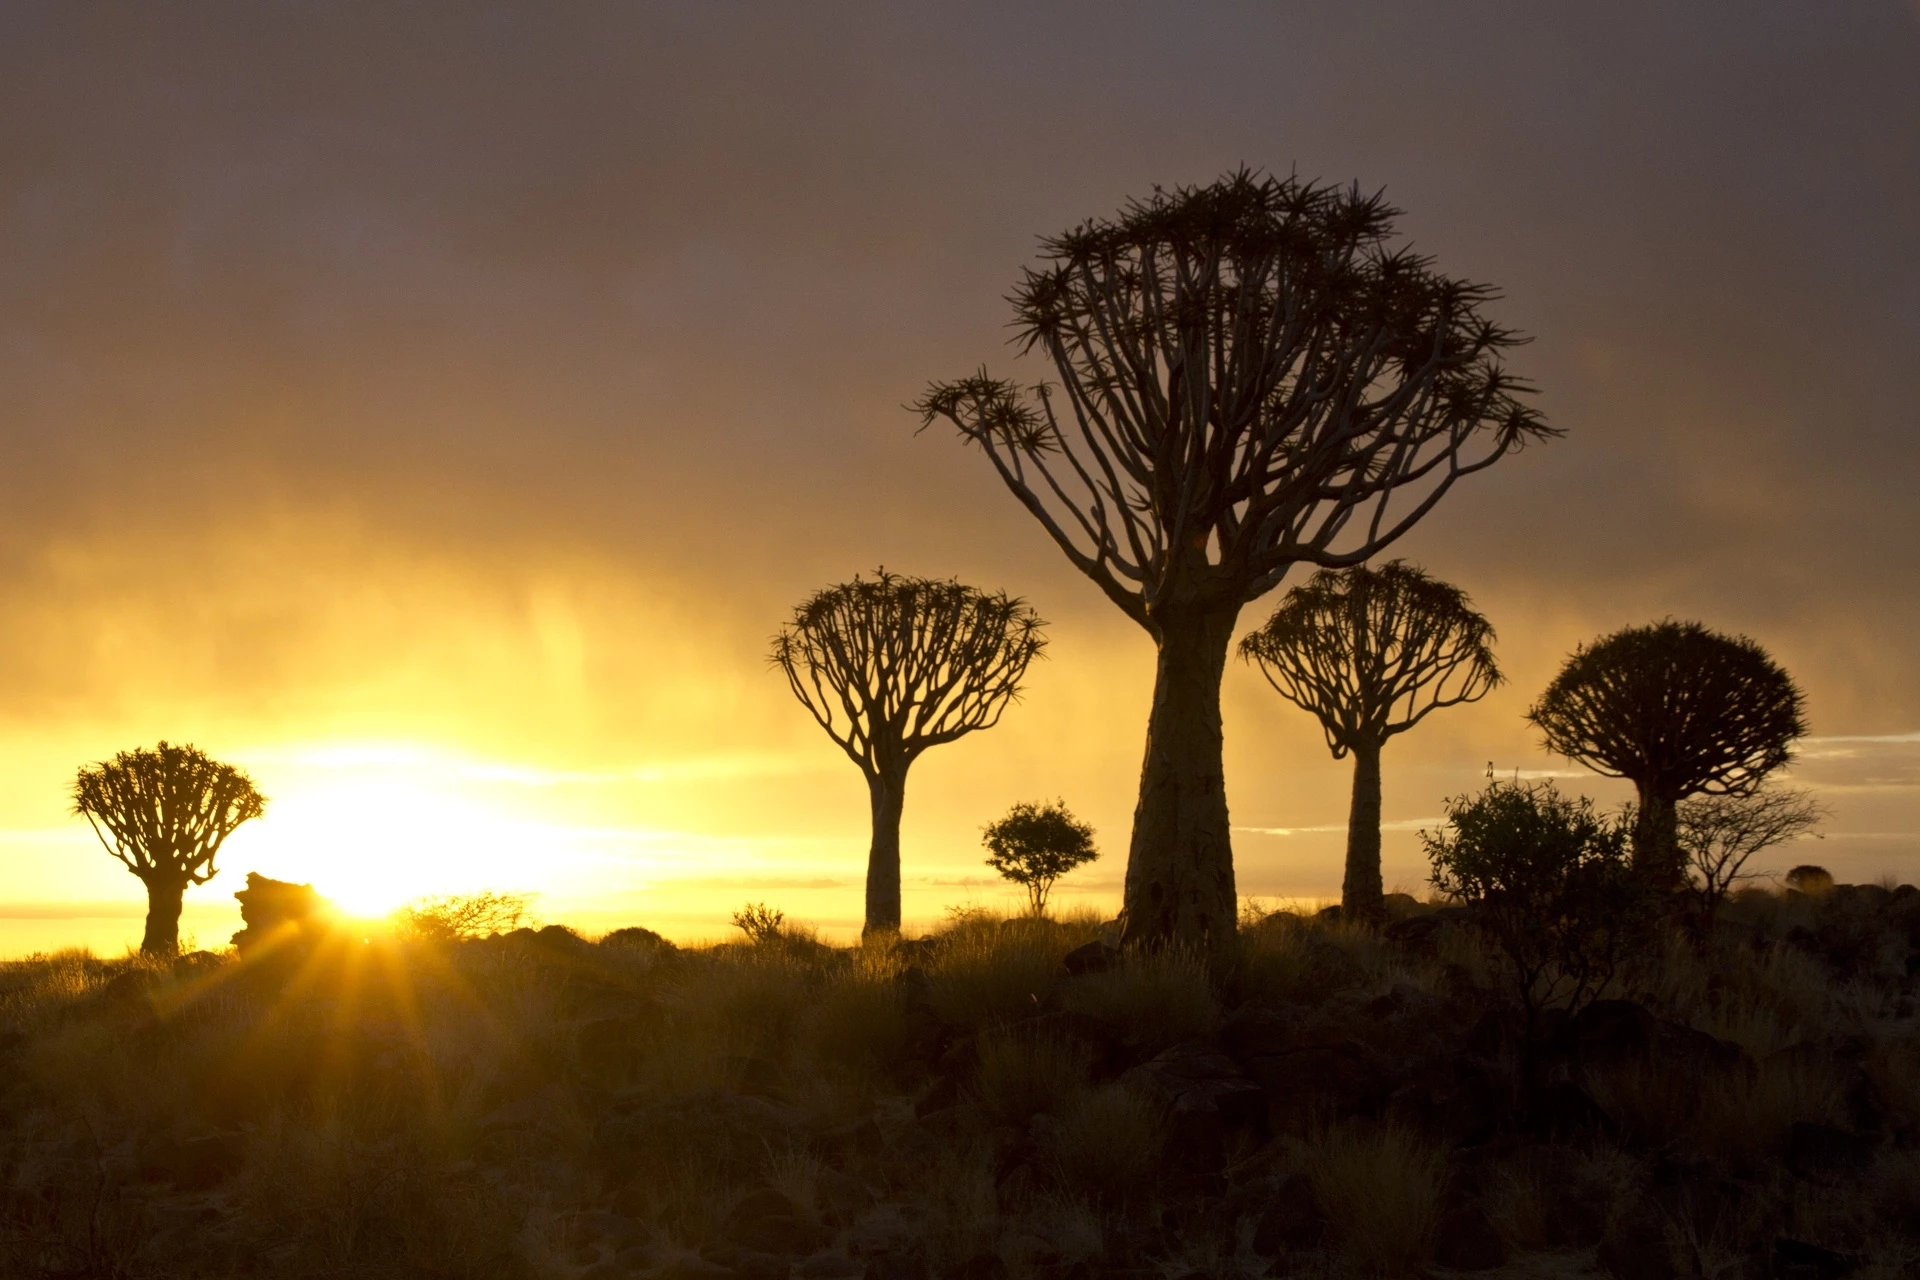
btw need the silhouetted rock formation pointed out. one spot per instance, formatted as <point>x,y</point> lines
<point>277,911</point>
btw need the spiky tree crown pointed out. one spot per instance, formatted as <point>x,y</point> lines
<point>165,812</point>
<point>892,665</point>
<point>1371,652</point>
<point>1675,707</point>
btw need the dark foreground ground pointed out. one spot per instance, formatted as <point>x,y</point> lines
<point>1341,1103</point>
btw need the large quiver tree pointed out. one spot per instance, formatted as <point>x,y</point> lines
<point>1371,653</point>
<point>1253,376</point>
<point>892,666</point>
<point>1679,711</point>
<point>165,813</point>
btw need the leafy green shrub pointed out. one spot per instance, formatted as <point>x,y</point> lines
<point>1548,880</point>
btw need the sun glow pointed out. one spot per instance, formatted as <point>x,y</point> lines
<point>375,827</point>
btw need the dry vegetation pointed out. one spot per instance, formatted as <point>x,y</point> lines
<point>1342,1103</point>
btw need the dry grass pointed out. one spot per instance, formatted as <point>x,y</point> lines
<point>1379,1187</point>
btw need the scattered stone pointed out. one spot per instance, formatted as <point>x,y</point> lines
<point>1636,1244</point>
<point>1820,1152</point>
<point>1799,1260</point>
<point>1097,956</point>
<point>1467,1241</point>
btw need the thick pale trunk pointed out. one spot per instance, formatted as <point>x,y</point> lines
<point>164,898</point>
<point>1360,893</point>
<point>1180,865</point>
<point>1656,841</point>
<point>888,792</point>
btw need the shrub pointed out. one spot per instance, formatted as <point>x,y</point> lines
<point>1548,882</point>
<point>1034,845</point>
<point>1380,1190</point>
<point>762,924</point>
<point>467,915</point>
<point>1810,880</point>
<point>1109,1142</point>
<point>1020,1076</point>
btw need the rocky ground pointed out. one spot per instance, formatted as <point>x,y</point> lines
<point>1004,1098</point>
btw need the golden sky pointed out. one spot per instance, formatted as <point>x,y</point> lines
<point>435,412</point>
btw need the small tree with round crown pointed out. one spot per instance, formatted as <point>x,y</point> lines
<point>1036,844</point>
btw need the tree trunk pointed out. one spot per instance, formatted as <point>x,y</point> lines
<point>1656,841</point>
<point>888,791</point>
<point>1180,864</point>
<point>164,898</point>
<point>1361,897</point>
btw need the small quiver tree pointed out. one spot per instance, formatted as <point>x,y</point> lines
<point>1719,834</point>
<point>1550,888</point>
<point>1679,711</point>
<point>164,813</point>
<point>892,666</point>
<point>1036,844</point>
<point>1254,374</point>
<point>1370,653</point>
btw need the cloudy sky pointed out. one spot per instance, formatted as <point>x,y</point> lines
<point>436,409</point>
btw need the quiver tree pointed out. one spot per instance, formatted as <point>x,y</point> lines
<point>1677,710</point>
<point>1251,375</point>
<point>1370,653</point>
<point>165,813</point>
<point>1036,844</point>
<point>892,666</point>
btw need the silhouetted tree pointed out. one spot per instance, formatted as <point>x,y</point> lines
<point>1718,834</point>
<point>1677,710</point>
<point>1254,376</point>
<point>1036,844</point>
<point>165,813</point>
<point>892,666</point>
<point>1549,886</point>
<point>1370,652</point>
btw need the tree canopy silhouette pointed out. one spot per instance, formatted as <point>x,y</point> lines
<point>1677,710</point>
<point>1036,844</point>
<point>1370,653</point>
<point>1254,375</point>
<point>165,813</point>
<point>895,665</point>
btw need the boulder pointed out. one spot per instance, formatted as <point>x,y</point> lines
<point>1466,1240</point>
<point>1825,1153</point>
<point>277,913</point>
<point>1097,956</point>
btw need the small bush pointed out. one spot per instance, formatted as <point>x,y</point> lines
<point>1380,1190</point>
<point>1548,881</point>
<point>1109,1142</point>
<point>762,924</point>
<point>1036,844</point>
<point>458,916</point>
<point>1020,1076</point>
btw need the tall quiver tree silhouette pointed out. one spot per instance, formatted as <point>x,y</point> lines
<point>1254,376</point>
<point>1679,711</point>
<point>1370,653</point>
<point>165,813</point>
<point>893,666</point>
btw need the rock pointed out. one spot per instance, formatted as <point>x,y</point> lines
<point>1097,956</point>
<point>1636,1244</point>
<point>981,1266</point>
<point>1564,1109</point>
<point>1194,1080</point>
<point>1467,1241</point>
<point>828,1266</point>
<point>1290,1220</point>
<point>277,913</point>
<point>634,938</point>
<point>1346,1078</point>
<point>1823,1152</point>
<point>1798,1260</point>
